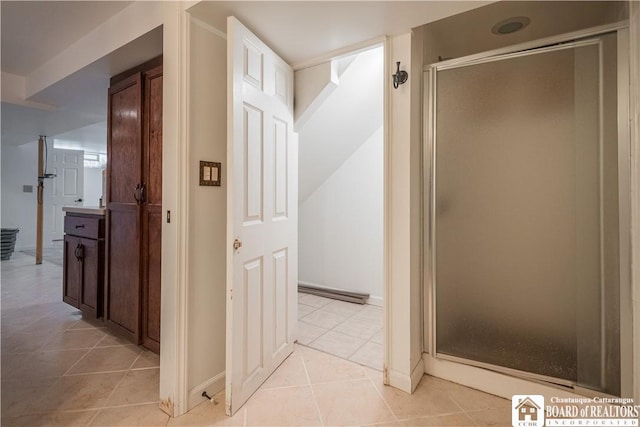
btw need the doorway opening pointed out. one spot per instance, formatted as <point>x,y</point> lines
<point>340,125</point>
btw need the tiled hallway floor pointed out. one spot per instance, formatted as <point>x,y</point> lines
<point>60,370</point>
<point>347,330</point>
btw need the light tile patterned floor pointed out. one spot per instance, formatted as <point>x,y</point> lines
<point>347,330</point>
<point>60,370</point>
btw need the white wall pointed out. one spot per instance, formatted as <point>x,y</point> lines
<point>341,225</point>
<point>346,118</point>
<point>206,244</point>
<point>92,186</point>
<point>20,167</point>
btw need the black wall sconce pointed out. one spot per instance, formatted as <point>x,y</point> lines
<point>400,77</point>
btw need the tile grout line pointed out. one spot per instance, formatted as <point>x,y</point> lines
<point>85,355</point>
<point>130,405</point>
<point>59,378</point>
<point>340,357</point>
<point>313,394</point>
<point>351,317</point>
<point>368,366</point>
<point>93,418</point>
<point>114,389</point>
<point>330,329</point>
<point>79,374</point>
<point>455,401</point>
<point>135,360</point>
<point>447,414</point>
<point>382,397</point>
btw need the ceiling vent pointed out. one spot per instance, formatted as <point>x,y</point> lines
<point>510,25</point>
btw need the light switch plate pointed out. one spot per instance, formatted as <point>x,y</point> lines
<point>210,173</point>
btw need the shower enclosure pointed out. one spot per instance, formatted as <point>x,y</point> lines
<point>527,168</point>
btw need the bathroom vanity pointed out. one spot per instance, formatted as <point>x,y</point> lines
<point>83,273</point>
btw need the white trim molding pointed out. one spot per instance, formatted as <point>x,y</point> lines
<point>404,382</point>
<point>212,386</point>
<point>338,53</point>
<point>173,313</point>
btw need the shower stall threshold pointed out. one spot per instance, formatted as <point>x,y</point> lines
<point>529,376</point>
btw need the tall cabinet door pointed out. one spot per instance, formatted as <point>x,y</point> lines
<point>90,297</point>
<point>152,209</point>
<point>123,206</point>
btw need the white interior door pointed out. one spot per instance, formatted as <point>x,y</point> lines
<point>67,189</point>
<point>262,214</point>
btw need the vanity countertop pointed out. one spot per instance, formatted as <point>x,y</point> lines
<point>87,210</point>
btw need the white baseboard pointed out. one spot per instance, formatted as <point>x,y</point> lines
<point>377,301</point>
<point>404,382</point>
<point>212,386</point>
<point>488,381</point>
<point>399,381</point>
<point>417,374</point>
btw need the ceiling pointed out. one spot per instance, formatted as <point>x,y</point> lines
<point>35,31</point>
<point>300,31</point>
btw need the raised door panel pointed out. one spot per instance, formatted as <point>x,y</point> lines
<point>151,294</point>
<point>152,209</point>
<point>125,140</point>
<point>91,291</point>
<point>153,136</point>
<point>123,290</point>
<point>72,272</point>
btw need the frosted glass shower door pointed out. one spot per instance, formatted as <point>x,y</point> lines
<point>526,214</point>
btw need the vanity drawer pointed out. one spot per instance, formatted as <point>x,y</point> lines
<point>84,226</point>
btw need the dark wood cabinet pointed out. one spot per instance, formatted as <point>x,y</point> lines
<point>152,209</point>
<point>134,204</point>
<point>83,272</point>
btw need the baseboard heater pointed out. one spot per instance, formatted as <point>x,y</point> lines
<point>355,297</point>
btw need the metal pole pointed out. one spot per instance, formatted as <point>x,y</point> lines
<point>40,191</point>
